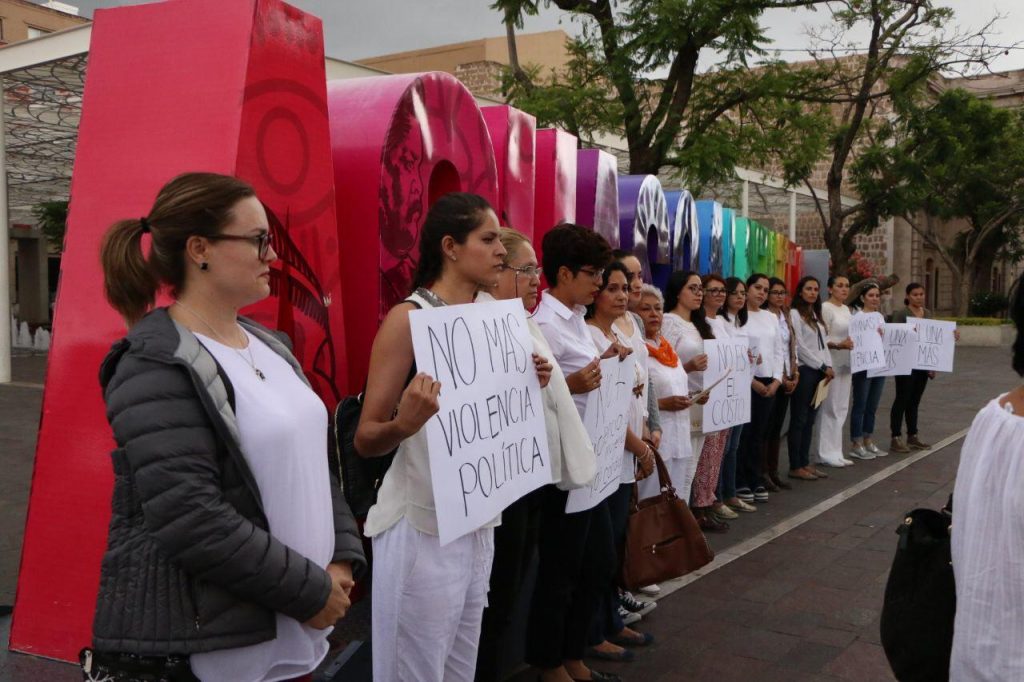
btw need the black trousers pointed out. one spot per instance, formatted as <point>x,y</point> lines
<point>909,390</point>
<point>750,458</point>
<point>801,417</point>
<point>607,621</point>
<point>577,560</point>
<point>515,543</point>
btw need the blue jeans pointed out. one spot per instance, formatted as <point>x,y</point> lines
<point>866,394</point>
<point>727,476</point>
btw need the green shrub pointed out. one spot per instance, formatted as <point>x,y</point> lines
<point>988,303</point>
<point>974,321</point>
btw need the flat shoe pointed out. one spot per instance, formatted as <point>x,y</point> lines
<point>624,656</point>
<point>741,506</point>
<point>818,474</point>
<point>802,475</point>
<point>645,639</point>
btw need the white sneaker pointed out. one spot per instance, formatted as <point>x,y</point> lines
<point>651,590</point>
<point>859,452</point>
<point>628,617</point>
<point>874,449</point>
<point>847,462</point>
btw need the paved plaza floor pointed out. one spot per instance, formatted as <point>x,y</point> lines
<point>794,593</point>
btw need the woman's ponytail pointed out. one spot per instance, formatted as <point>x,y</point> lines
<point>128,280</point>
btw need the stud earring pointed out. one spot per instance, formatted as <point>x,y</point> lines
<point>204,266</point>
<point>452,256</point>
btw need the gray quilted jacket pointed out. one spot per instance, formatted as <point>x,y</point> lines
<point>189,565</point>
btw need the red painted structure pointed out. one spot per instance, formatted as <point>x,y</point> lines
<point>555,201</point>
<point>513,134</point>
<point>399,143</point>
<point>246,96</point>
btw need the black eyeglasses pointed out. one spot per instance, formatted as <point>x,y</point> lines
<point>778,292</point>
<point>714,291</point>
<point>260,241</point>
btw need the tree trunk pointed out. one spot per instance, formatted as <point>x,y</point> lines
<point>961,293</point>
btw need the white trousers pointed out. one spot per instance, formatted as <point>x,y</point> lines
<point>832,420</point>
<point>428,602</point>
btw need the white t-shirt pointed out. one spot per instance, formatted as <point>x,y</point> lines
<point>763,331</point>
<point>988,550</point>
<point>675,424</point>
<point>282,425</point>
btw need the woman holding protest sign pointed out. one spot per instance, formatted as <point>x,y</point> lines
<point>686,328</point>
<point>577,557</point>
<point>709,465</point>
<point>867,391</point>
<point>609,632</point>
<point>910,388</point>
<point>776,305</point>
<point>832,418</point>
<point>428,599</point>
<point>231,551</point>
<point>669,379</point>
<point>815,366</point>
<point>763,331</point>
<point>734,313</point>
<point>572,462</point>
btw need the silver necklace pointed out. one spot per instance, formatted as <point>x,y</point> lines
<point>249,360</point>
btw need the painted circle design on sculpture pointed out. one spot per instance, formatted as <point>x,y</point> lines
<point>651,217</point>
<point>271,127</point>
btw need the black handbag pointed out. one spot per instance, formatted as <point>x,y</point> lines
<point>920,598</point>
<point>361,477</point>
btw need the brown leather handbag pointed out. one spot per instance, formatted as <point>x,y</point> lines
<point>663,540</point>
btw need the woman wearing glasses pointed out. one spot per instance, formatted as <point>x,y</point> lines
<point>230,547</point>
<point>572,462</point>
<point>734,314</point>
<point>686,329</point>
<point>769,352</point>
<point>776,305</point>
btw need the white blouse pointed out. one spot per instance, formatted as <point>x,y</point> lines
<point>811,347</point>
<point>675,424</point>
<point>687,341</point>
<point>566,333</point>
<point>837,319</point>
<point>988,550</point>
<point>763,330</point>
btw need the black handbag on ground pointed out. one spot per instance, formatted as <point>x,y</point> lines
<point>920,598</point>
<point>98,666</point>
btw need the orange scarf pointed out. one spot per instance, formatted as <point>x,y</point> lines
<point>664,353</point>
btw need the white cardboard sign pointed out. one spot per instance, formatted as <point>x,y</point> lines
<point>868,352</point>
<point>899,342</point>
<point>488,445</point>
<point>935,345</point>
<point>729,402</point>
<point>606,418</point>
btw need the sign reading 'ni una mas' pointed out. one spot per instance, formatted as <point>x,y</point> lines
<point>899,345</point>
<point>936,345</point>
<point>488,445</point>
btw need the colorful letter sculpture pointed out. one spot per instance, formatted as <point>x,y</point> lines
<point>684,232</point>
<point>740,239</point>
<point>597,193</point>
<point>399,143</point>
<point>643,221</point>
<point>555,201</point>
<point>242,93</point>
<point>709,217</point>
<point>512,137</point>
<point>728,235</point>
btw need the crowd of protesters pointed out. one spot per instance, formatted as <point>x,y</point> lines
<point>232,551</point>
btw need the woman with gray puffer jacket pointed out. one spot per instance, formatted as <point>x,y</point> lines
<point>231,551</point>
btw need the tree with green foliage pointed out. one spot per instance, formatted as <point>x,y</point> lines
<point>52,219</point>
<point>771,114</point>
<point>634,72</point>
<point>959,160</point>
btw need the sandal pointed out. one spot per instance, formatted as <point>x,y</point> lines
<point>802,474</point>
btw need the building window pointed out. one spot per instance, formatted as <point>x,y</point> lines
<point>930,290</point>
<point>34,32</point>
<point>3,33</point>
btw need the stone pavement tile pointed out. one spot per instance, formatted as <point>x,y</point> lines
<point>721,668</point>
<point>753,642</point>
<point>766,591</point>
<point>810,657</point>
<point>861,662</point>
